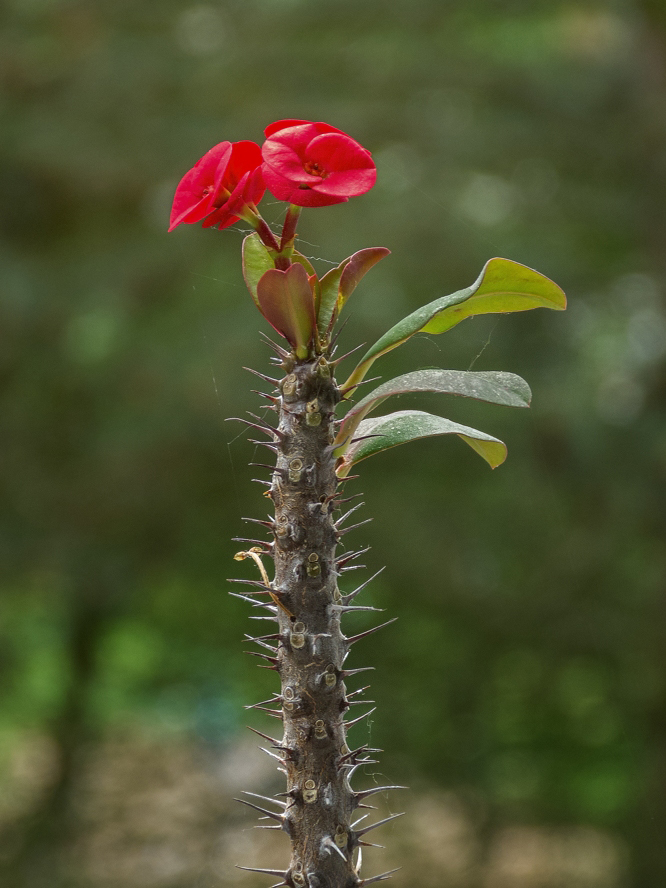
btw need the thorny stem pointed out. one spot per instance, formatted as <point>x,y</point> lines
<point>311,648</point>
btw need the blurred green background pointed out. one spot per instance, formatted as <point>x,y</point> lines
<point>522,694</point>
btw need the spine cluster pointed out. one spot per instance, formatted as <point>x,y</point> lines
<point>309,649</point>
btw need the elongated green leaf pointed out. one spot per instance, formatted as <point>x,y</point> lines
<point>286,301</point>
<point>257,261</point>
<point>382,432</point>
<point>494,387</point>
<point>503,286</point>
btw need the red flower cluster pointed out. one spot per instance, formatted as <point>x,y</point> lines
<point>219,186</point>
<point>314,164</point>
<point>307,164</point>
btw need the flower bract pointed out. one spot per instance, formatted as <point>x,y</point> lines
<point>314,164</point>
<point>219,186</point>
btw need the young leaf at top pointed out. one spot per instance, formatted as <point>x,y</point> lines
<point>503,286</point>
<point>339,283</point>
<point>257,260</point>
<point>330,284</point>
<point>285,300</point>
<point>382,432</point>
<point>494,387</point>
<point>312,276</point>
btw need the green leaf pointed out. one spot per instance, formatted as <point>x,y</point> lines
<point>503,286</point>
<point>304,261</point>
<point>285,300</point>
<point>330,284</point>
<point>410,425</point>
<point>257,260</point>
<point>494,387</point>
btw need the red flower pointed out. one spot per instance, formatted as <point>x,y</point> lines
<point>218,187</point>
<point>314,164</point>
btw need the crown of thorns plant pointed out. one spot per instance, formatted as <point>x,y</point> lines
<point>311,165</point>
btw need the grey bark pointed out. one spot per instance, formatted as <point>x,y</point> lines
<point>311,648</point>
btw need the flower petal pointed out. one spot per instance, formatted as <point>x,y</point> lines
<point>286,124</point>
<point>301,196</point>
<point>190,204</point>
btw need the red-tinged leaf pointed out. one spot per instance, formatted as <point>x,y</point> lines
<point>339,283</point>
<point>285,300</point>
<point>359,264</point>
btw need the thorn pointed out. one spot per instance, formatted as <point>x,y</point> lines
<point>345,499</point>
<point>263,811</point>
<point>272,754</point>
<point>353,768</point>
<point>355,638</point>
<point>242,597</point>
<point>265,798</point>
<point>352,595</point>
<point>261,481</point>
<point>348,756</point>
<point>262,702</point>
<point>350,556</point>
<point>347,514</point>
<point>257,583</point>
<point>328,843</point>
<point>347,355</point>
<point>264,395</point>
<point>346,673</point>
<point>268,524</point>
<point>349,609</point>
<point>261,734</point>
<point>359,702</point>
<point>345,391</point>
<point>262,826</point>
<point>260,418</point>
<point>267,430</point>
<point>372,826</point>
<point>336,335</point>
<point>263,444</point>
<point>269,872</point>
<point>380,878</point>
<point>272,619</point>
<point>257,465</point>
<point>275,382</point>
<point>267,543</point>
<point>366,793</point>
<point>355,721</point>
<point>358,691</point>
<point>274,345</point>
<point>263,644</point>
<point>274,637</point>
<point>345,530</point>
<point>272,660</point>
